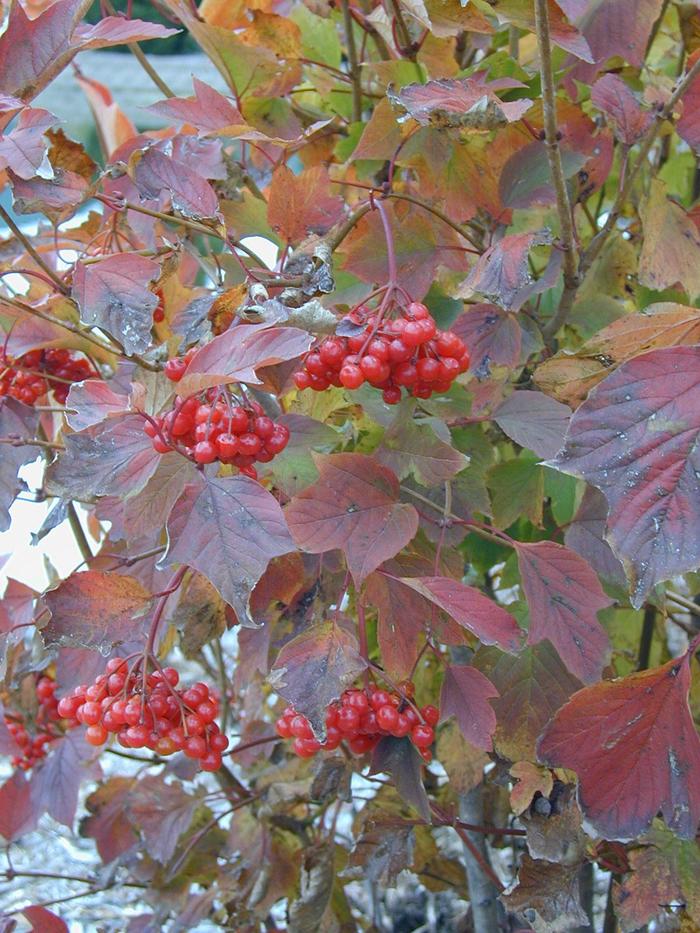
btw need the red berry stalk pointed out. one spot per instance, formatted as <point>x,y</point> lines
<point>360,719</point>
<point>218,425</point>
<point>408,352</point>
<point>148,712</point>
<point>35,373</point>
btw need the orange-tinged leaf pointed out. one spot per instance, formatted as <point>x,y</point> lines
<point>636,750</point>
<point>113,125</point>
<point>354,507</point>
<point>315,667</point>
<point>670,246</point>
<point>302,204</point>
<point>96,610</point>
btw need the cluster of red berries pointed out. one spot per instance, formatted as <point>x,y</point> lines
<point>209,427</point>
<point>32,375</point>
<point>148,713</point>
<point>34,748</point>
<point>408,352</point>
<point>360,719</point>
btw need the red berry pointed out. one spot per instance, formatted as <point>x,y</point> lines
<point>218,742</point>
<point>195,746</point>
<point>418,311</point>
<point>249,444</point>
<point>175,369</point>
<point>422,735</point>
<point>348,719</point>
<point>351,376</point>
<point>302,380</point>
<point>387,718</point>
<point>392,395</point>
<point>263,427</point>
<point>428,369</point>
<point>357,699</point>
<point>431,714</point>
<point>279,439</point>
<point>332,352</point>
<point>96,735</point>
<point>205,452</point>
<point>211,761</point>
<point>361,744</point>
<point>300,728</point>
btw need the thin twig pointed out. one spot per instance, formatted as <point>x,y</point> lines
<point>355,72</point>
<point>687,604</point>
<point>29,247</point>
<point>78,532</point>
<point>551,134</point>
<point>140,57</point>
<point>18,441</point>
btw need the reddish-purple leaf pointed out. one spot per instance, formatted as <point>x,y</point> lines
<point>236,354</point>
<point>117,30</point>
<point>502,272</point>
<point>400,759</point>
<point>624,112</point>
<point>463,102</point>
<point>19,421</point>
<point>619,28</point>
<point>532,687</point>
<point>17,813</point>
<point>636,750</point>
<point>315,667</point>
<point>114,294</point>
<point>24,149</point>
<point>147,512</point>
<point>353,506</point>
<point>471,609</point>
<point>107,823</point>
<point>564,596</point>
<point>492,335</point>
<point>586,535</point>
<point>44,921</point>
<point>209,110</point>
<point>229,529</point>
<point>95,610</point>
<point>299,205</point>
<point>113,458</point>
<point>159,177</point>
<point>636,439</point>
<point>57,197</point>
<point>93,401</point>
<point>465,695</point>
<point>521,13</point>
<point>534,420</point>
<point>163,812</point>
<point>33,51</point>
<point>56,780</point>
<point>688,125</point>
<point>17,605</point>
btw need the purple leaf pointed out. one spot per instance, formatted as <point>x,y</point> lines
<point>534,420</point>
<point>354,507</point>
<point>207,526</point>
<point>624,112</point>
<point>314,668</point>
<point>209,110</point>
<point>112,458</point>
<point>113,294</point>
<point>56,780</point>
<point>470,609</point>
<point>24,149</point>
<point>465,695</point>
<point>636,439</point>
<point>160,177</point>
<point>459,102</point>
<point>564,596</point>
<point>19,421</point>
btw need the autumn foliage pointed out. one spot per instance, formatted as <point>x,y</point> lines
<point>389,545</point>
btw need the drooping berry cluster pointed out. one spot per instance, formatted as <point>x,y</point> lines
<point>408,352</point>
<point>45,728</point>
<point>209,427</point>
<point>360,719</point>
<point>152,715</point>
<point>32,375</point>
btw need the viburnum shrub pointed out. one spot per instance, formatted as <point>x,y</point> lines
<point>358,404</point>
